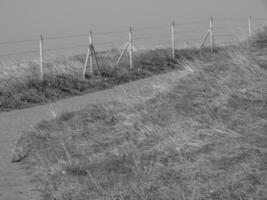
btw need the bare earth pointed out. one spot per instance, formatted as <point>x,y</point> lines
<point>14,181</point>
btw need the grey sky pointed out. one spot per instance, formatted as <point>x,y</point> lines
<point>23,19</point>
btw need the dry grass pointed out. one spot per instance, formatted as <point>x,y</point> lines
<point>21,85</point>
<point>200,137</point>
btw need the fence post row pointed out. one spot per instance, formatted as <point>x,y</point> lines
<point>41,58</point>
<point>173,40</point>
<point>91,54</point>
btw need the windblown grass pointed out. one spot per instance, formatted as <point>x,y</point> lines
<point>201,137</point>
<point>21,85</point>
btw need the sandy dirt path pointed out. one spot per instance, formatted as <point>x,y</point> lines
<point>15,183</point>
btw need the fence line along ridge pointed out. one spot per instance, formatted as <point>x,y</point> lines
<point>174,32</point>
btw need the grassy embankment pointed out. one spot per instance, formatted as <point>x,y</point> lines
<point>201,137</point>
<point>21,85</point>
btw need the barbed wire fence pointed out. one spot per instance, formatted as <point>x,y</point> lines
<point>135,38</point>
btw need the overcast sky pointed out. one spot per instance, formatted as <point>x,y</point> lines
<point>23,19</point>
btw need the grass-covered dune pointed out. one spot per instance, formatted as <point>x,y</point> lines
<point>201,137</point>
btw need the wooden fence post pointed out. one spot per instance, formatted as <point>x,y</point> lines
<point>131,47</point>
<point>173,41</point>
<point>211,34</point>
<point>89,56</point>
<point>41,58</point>
<point>250,27</point>
<point>91,53</point>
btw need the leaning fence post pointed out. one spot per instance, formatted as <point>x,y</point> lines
<point>173,42</point>
<point>94,54</point>
<point>204,39</point>
<point>250,27</point>
<point>211,34</point>
<point>131,47</point>
<point>41,58</point>
<point>122,53</point>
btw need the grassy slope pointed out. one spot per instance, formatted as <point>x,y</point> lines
<point>202,137</point>
<point>21,87</point>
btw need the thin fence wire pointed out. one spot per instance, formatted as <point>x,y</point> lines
<point>191,22</point>
<point>110,32</point>
<point>110,42</point>
<point>190,31</point>
<point>224,35</point>
<point>19,53</point>
<point>159,43</point>
<point>18,41</point>
<point>230,19</point>
<point>66,48</point>
<point>151,28</point>
<point>260,19</point>
<point>141,38</point>
<point>229,27</point>
<point>151,36</point>
<point>66,36</point>
<point>191,39</point>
